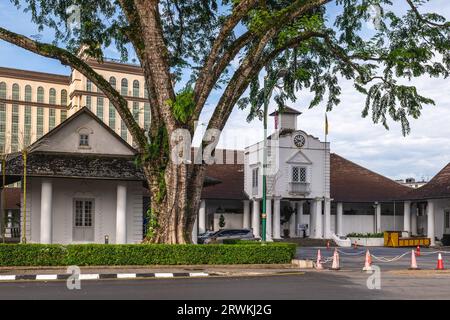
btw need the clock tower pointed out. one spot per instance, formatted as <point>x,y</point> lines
<point>286,119</point>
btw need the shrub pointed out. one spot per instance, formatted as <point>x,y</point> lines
<point>144,254</point>
<point>366,235</point>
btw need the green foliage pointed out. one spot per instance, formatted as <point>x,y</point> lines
<point>152,224</point>
<point>184,105</point>
<point>405,44</point>
<point>143,254</point>
<point>365,235</point>
<point>222,221</point>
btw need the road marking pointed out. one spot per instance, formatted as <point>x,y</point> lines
<point>126,275</point>
<point>198,274</point>
<point>89,276</point>
<point>164,275</point>
<point>47,277</point>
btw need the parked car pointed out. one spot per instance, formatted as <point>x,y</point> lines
<point>226,234</point>
<point>201,237</point>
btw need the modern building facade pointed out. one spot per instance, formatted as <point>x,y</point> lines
<point>33,103</point>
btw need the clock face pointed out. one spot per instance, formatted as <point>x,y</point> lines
<point>299,141</point>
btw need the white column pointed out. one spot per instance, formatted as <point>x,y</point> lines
<point>121,213</point>
<point>268,220</point>
<point>195,231</point>
<point>256,218</point>
<point>246,217</point>
<point>202,217</point>
<point>299,217</point>
<point>339,217</point>
<point>377,217</point>
<point>312,219</point>
<point>293,222</point>
<point>430,215</point>
<point>317,219</point>
<point>414,212</point>
<point>327,219</point>
<point>276,219</point>
<point>46,211</point>
<point>8,230</point>
<point>407,216</point>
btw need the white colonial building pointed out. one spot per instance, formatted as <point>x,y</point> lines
<point>83,185</point>
<point>297,171</point>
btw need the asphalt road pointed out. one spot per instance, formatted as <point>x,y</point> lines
<point>353,259</point>
<point>311,285</point>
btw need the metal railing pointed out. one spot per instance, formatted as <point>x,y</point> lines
<point>299,187</point>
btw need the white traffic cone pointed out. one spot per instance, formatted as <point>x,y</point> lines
<point>335,265</point>
<point>368,262</point>
<point>318,262</point>
<point>413,261</point>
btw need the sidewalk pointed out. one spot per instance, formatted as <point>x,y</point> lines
<point>130,272</point>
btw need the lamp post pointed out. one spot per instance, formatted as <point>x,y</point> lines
<point>268,88</point>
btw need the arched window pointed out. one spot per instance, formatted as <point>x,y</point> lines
<point>113,82</point>
<point>52,96</point>
<point>124,87</point>
<point>40,95</point>
<point>64,97</point>
<point>15,92</point>
<point>3,90</point>
<point>136,88</point>
<point>28,93</point>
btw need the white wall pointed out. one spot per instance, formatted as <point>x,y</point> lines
<point>232,220</point>
<point>104,193</point>
<point>440,206</point>
<point>100,139</point>
<point>311,155</point>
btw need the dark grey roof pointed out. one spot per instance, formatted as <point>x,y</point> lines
<point>286,110</point>
<point>71,165</point>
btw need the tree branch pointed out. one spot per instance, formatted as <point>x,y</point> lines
<point>67,58</point>
<point>209,79</point>
<point>204,82</point>
<point>423,20</point>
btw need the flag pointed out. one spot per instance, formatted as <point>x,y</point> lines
<point>326,124</point>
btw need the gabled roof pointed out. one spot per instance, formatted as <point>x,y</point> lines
<point>286,110</point>
<point>77,114</point>
<point>353,183</point>
<point>438,187</point>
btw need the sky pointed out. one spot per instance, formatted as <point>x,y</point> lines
<point>423,153</point>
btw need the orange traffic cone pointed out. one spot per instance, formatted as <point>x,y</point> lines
<point>418,251</point>
<point>335,265</point>
<point>318,263</point>
<point>368,262</point>
<point>440,264</point>
<point>413,261</point>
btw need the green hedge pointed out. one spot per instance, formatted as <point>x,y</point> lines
<point>143,254</point>
<point>365,235</point>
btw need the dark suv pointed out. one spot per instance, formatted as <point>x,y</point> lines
<point>234,234</point>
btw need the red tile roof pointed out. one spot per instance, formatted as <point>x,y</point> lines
<point>438,187</point>
<point>352,183</point>
<point>231,177</point>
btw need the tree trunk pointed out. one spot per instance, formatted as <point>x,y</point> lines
<point>174,202</point>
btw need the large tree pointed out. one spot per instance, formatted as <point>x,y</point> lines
<point>223,47</point>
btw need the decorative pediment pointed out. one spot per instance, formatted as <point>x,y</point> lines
<point>299,158</point>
